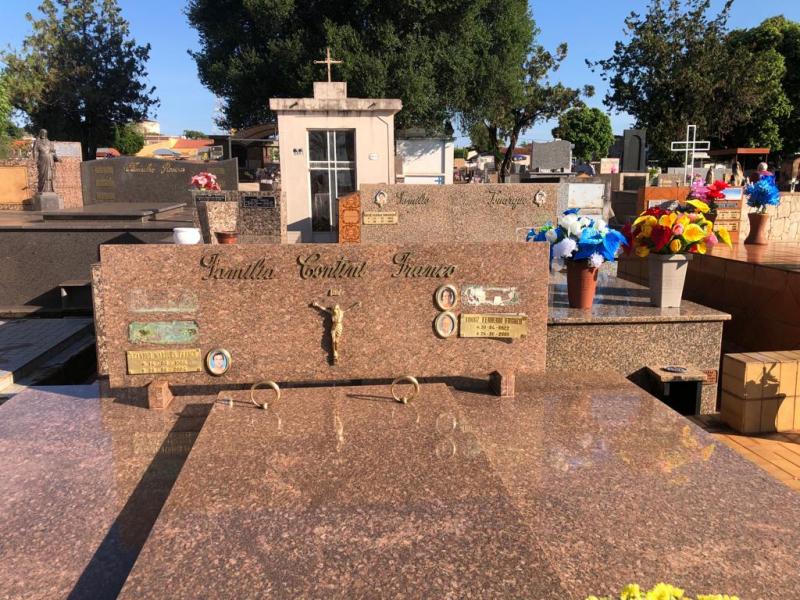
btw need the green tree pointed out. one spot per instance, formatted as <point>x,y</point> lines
<point>428,53</point>
<point>517,93</point>
<point>774,46</point>
<point>79,73</point>
<point>677,67</point>
<point>589,129</point>
<point>193,134</point>
<point>6,125</point>
<point>127,139</point>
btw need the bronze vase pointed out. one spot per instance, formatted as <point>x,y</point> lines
<point>227,237</point>
<point>581,284</point>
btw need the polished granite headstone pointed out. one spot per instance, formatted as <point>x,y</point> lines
<point>577,486</point>
<point>270,307</point>
<point>133,179</point>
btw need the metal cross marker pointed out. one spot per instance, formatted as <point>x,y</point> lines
<point>689,146</point>
<point>328,61</point>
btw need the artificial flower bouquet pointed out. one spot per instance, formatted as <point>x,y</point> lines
<point>578,238</point>
<point>205,181</point>
<point>661,231</point>
<point>708,194</point>
<point>661,591</point>
<point>763,193</point>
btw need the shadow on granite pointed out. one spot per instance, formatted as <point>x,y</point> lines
<point>81,483</point>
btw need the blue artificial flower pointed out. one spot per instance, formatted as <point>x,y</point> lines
<point>572,211</point>
<point>763,192</point>
<point>611,243</point>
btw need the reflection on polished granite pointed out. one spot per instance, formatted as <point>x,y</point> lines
<point>781,255</point>
<point>576,486</point>
<point>340,493</point>
<point>81,482</point>
<point>621,301</point>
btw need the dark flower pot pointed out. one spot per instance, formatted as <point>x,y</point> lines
<point>227,237</point>
<point>581,284</point>
<point>759,228</point>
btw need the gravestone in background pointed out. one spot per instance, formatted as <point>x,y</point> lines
<point>551,156</point>
<point>258,217</point>
<point>405,213</point>
<point>634,151</point>
<point>149,180</point>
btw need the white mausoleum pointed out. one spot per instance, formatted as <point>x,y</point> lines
<point>329,145</point>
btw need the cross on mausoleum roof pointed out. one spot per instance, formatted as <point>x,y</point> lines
<point>328,61</point>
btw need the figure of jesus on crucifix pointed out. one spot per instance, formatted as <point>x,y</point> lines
<point>337,325</point>
<point>328,61</point>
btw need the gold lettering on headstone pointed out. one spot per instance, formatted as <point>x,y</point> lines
<point>493,326</point>
<point>312,268</point>
<point>496,198</point>
<point>252,271</point>
<point>104,170</point>
<point>104,183</point>
<point>141,362</point>
<point>380,218</point>
<point>407,268</point>
<point>408,198</point>
<point>104,196</point>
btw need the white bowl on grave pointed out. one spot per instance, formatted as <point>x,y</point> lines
<point>186,235</point>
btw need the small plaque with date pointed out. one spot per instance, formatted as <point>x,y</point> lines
<point>258,202</point>
<point>373,217</point>
<point>493,326</point>
<point>141,362</point>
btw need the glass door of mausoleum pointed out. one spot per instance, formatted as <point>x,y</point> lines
<point>332,173</point>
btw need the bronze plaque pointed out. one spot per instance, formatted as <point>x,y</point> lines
<point>164,361</point>
<point>372,217</point>
<point>494,326</point>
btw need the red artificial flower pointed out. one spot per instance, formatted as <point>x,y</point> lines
<point>656,212</point>
<point>715,190</point>
<point>661,236</point>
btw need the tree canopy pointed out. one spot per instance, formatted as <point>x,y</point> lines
<point>678,66</point>
<point>79,73</point>
<point>193,134</point>
<point>127,139</point>
<point>589,129</point>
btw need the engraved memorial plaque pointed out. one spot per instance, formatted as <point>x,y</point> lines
<point>163,332</point>
<point>258,202</point>
<point>164,361</point>
<point>372,217</point>
<point>494,326</point>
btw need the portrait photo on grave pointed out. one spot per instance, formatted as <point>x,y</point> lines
<point>218,361</point>
<point>446,297</point>
<point>445,324</point>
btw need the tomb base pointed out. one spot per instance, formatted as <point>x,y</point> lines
<point>47,201</point>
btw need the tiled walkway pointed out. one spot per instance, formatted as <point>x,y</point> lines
<point>776,453</point>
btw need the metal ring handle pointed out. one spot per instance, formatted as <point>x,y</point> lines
<point>270,384</point>
<point>415,392</point>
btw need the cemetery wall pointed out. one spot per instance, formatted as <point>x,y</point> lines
<point>19,179</point>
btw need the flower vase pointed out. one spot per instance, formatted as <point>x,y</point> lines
<point>667,277</point>
<point>227,237</point>
<point>759,228</point>
<point>581,284</point>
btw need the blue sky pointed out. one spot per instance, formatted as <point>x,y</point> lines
<point>590,28</point>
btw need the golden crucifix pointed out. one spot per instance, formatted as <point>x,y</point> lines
<point>337,324</point>
<point>328,61</point>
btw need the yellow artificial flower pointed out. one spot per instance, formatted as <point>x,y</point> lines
<point>723,235</point>
<point>647,230</point>
<point>668,220</point>
<point>675,246</point>
<point>630,592</point>
<point>701,247</point>
<point>684,220</point>
<point>642,251</point>
<point>649,219</point>
<point>699,205</point>
<point>664,591</point>
<point>693,233</point>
